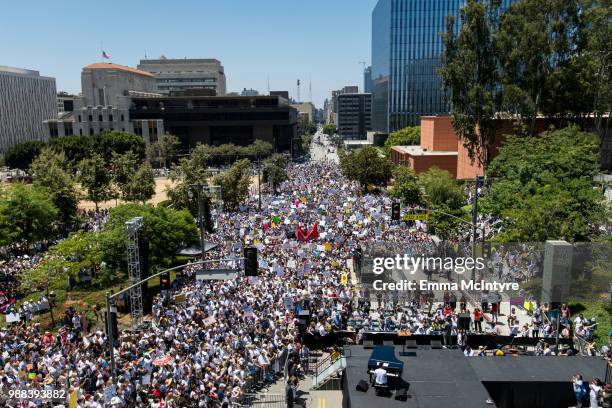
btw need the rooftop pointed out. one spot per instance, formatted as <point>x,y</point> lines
<point>19,71</point>
<point>419,151</point>
<point>109,65</point>
<point>181,60</point>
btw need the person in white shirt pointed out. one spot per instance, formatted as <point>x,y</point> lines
<point>381,375</point>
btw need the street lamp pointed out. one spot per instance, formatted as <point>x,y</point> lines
<point>51,299</point>
<point>198,190</point>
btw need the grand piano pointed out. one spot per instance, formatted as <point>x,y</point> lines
<point>386,356</point>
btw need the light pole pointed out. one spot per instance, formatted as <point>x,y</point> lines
<point>199,191</point>
<point>51,300</point>
<point>259,182</point>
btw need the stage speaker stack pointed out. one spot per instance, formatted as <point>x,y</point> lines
<point>464,321</point>
<point>362,386</point>
<point>251,263</point>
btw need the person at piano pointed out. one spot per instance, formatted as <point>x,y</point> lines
<point>380,375</point>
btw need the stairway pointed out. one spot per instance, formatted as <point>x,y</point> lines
<point>329,371</point>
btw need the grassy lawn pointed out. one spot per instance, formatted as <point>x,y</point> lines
<point>83,299</point>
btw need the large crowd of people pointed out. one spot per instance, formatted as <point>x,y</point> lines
<point>208,342</point>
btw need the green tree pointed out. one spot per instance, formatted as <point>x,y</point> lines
<point>235,183</point>
<point>536,41</point>
<point>406,186</point>
<point>274,170</point>
<point>27,214</point>
<point>259,148</point>
<point>445,198</point>
<point>307,128</point>
<point>167,230</point>
<point>49,171</point>
<point>164,150</point>
<point>189,171</point>
<point>95,179</point>
<point>544,187</point>
<point>470,75</point>
<point>441,188</point>
<point>141,186</point>
<point>404,137</point>
<point>597,60</point>
<point>330,129</point>
<point>83,251</point>
<point>124,166</point>
<point>75,148</point>
<point>21,155</point>
<point>366,166</point>
<point>113,141</point>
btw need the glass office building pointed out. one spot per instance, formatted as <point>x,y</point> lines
<point>406,50</point>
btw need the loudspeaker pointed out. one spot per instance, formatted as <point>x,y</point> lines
<point>362,386</point>
<point>401,394</point>
<point>251,266</point>
<point>208,224</point>
<point>164,281</point>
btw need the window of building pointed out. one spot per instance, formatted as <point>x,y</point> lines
<point>90,118</point>
<point>80,132</point>
<point>122,119</point>
<point>110,118</point>
<point>90,131</point>
<point>99,118</point>
<point>79,118</point>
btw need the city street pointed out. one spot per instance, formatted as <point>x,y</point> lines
<point>323,150</point>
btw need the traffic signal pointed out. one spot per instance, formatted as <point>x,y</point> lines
<point>164,281</point>
<point>251,264</point>
<point>395,211</point>
<point>113,323</point>
<point>486,250</point>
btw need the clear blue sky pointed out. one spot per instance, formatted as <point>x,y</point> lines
<point>317,40</point>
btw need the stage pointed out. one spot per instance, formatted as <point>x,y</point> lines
<point>446,378</point>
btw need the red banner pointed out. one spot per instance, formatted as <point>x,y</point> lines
<point>313,233</point>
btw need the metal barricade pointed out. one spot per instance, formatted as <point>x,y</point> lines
<point>263,401</point>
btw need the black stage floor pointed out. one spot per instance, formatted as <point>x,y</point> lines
<point>446,378</point>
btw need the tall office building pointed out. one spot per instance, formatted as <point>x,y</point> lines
<point>26,99</point>
<point>367,80</point>
<point>406,50</point>
<point>354,115</point>
<point>188,73</point>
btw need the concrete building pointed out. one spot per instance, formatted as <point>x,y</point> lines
<point>105,101</point>
<point>307,109</point>
<point>180,74</point>
<point>102,83</point>
<point>282,94</point>
<point>354,115</point>
<point>65,103</point>
<point>216,119</point>
<point>441,147</point>
<point>249,92</point>
<point>331,110</point>
<point>26,100</point>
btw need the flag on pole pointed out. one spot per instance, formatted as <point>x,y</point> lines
<point>105,55</point>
